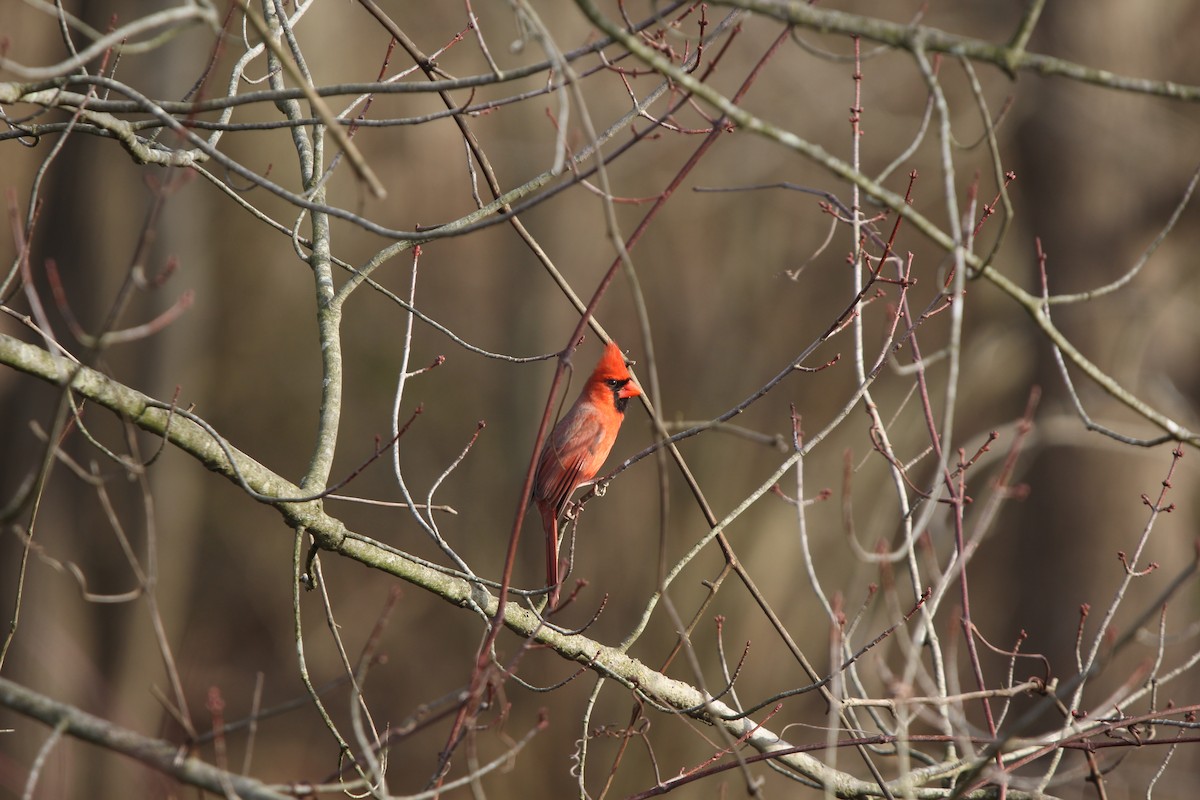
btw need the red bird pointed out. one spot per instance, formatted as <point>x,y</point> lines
<point>577,447</point>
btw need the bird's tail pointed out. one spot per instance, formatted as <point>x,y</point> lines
<point>550,526</point>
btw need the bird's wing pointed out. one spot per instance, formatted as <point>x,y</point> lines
<point>568,458</point>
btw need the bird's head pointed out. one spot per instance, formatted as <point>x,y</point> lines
<point>611,377</point>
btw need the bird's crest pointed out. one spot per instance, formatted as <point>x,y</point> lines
<point>612,365</point>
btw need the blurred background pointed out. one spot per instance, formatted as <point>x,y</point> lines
<point>736,285</point>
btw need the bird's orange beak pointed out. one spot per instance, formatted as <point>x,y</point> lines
<point>629,390</point>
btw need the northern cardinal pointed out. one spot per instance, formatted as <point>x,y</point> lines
<point>577,447</point>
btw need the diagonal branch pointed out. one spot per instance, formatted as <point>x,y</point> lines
<point>1010,57</point>
<point>819,155</point>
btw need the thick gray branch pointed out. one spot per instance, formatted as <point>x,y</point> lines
<point>331,533</point>
<point>162,756</point>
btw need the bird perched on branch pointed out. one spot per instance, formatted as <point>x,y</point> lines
<point>577,447</point>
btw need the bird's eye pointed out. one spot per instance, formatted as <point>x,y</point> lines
<point>616,384</point>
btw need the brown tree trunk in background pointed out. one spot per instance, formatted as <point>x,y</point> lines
<point>92,240</point>
<point>1084,196</point>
